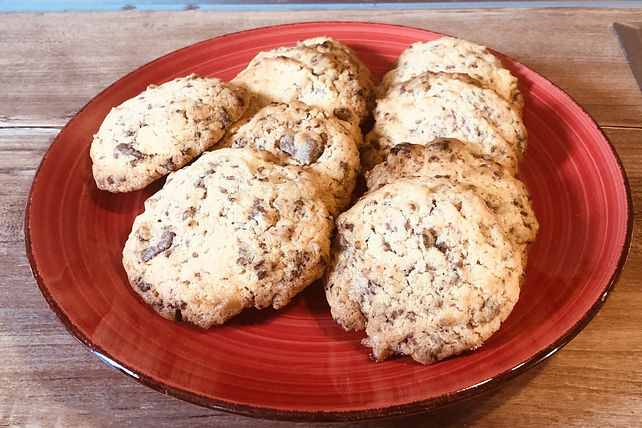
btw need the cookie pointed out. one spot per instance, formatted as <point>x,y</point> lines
<point>231,231</point>
<point>342,274</point>
<point>437,275</point>
<point>440,105</point>
<point>505,195</point>
<point>311,139</point>
<point>161,130</point>
<point>320,72</point>
<point>452,55</point>
<point>473,98</point>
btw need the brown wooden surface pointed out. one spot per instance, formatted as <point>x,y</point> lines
<point>52,64</point>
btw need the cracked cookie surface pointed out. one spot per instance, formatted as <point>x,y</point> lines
<point>435,273</point>
<point>452,55</point>
<point>321,72</point>
<point>311,139</point>
<point>505,195</point>
<point>233,230</point>
<point>434,105</point>
<point>162,129</point>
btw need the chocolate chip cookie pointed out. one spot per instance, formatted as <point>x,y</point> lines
<point>161,130</point>
<point>311,139</point>
<point>435,105</point>
<point>505,195</point>
<point>435,273</point>
<point>321,72</point>
<point>231,231</point>
<point>452,55</point>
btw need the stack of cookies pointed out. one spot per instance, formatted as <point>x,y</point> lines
<point>248,224</point>
<point>430,260</point>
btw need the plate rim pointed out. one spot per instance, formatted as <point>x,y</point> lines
<point>407,409</point>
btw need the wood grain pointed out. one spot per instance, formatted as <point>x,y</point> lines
<point>52,64</point>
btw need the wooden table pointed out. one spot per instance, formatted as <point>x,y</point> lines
<point>52,64</point>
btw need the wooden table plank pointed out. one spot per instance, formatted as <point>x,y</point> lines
<point>51,66</point>
<point>55,63</point>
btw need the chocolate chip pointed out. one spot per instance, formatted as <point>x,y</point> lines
<point>324,138</point>
<point>304,147</point>
<point>395,314</point>
<point>164,243</point>
<point>300,259</point>
<point>257,208</point>
<point>287,140</point>
<point>428,240</point>
<point>129,150</point>
<point>429,237</point>
<point>142,285</point>
<point>243,259</point>
<point>372,286</point>
<point>344,166</point>
<point>441,144</point>
<point>342,113</point>
<point>200,183</point>
<point>239,143</point>
<point>225,118</point>
<point>169,164</point>
<point>402,148</point>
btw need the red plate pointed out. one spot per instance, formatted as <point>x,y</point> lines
<point>297,363</point>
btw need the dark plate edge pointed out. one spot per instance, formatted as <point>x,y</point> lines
<point>323,416</point>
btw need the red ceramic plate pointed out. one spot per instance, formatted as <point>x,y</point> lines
<point>297,363</point>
